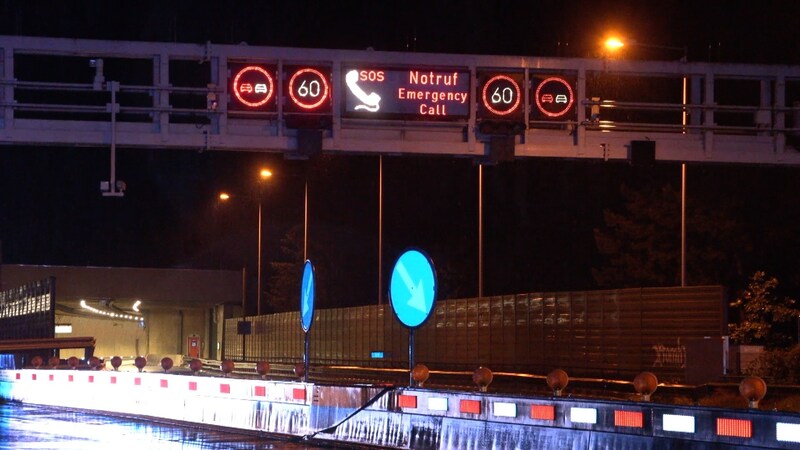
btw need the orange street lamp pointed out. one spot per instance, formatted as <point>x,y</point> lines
<point>614,43</point>
<point>224,196</point>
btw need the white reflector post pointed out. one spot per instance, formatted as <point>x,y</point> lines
<point>678,423</point>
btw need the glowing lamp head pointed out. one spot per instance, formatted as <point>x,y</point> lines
<point>614,43</point>
<point>224,196</point>
<point>264,174</point>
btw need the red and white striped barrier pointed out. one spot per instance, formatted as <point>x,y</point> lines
<point>402,418</point>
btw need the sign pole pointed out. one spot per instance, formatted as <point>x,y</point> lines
<point>412,294</point>
<point>410,357</point>
<point>305,358</point>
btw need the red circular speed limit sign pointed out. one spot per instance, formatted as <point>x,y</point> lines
<point>308,88</point>
<point>501,95</point>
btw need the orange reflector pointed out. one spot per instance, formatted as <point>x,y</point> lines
<point>224,388</point>
<point>193,385</point>
<point>260,391</point>
<point>470,406</point>
<point>734,427</point>
<point>407,401</point>
<point>634,419</point>
<point>164,383</point>
<point>543,412</point>
<point>299,394</point>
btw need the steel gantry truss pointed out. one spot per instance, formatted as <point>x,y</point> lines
<point>172,95</point>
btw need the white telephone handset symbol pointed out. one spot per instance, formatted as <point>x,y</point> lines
<point>371,102</point>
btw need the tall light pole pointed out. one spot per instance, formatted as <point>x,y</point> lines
<point>480,230</point>
<point>614,44</point>
<point>263,174</point>
<point>380,230</point>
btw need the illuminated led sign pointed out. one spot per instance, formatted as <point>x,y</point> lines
<point>500,96</point>
<point>252,87</point>
<point>308,89</point>
<point>553,98</point>
<point>423,94</point>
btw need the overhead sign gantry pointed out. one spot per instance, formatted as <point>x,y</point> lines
<point>302,101</point>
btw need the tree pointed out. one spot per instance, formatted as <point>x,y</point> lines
<point>283,288</point>
<point>640,246</point>
<point>761,309</point>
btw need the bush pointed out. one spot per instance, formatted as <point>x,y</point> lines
<point>778,366</point>
<point>763,312</point>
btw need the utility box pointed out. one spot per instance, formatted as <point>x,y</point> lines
<point>705,360</point>
<point>194,346</point>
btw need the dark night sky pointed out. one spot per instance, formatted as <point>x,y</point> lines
<point>539,213</point>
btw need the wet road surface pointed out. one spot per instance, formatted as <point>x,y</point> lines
<point>34,427</point>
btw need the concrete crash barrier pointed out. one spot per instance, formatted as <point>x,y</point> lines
<point>408,418</point>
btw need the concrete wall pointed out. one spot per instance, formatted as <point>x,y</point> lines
<point>114,337</point>
<point>165,333</point>
<point>168,330</point>
<point>176,303</point>
<point>160,287</point>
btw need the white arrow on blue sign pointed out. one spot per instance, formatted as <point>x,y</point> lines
<point>412,288</point>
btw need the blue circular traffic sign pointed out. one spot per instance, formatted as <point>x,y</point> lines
<point>412,288</point>
<point>307,288</point>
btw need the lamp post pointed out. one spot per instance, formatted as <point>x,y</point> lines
<point>263,175</point>
<point>615,44</point>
